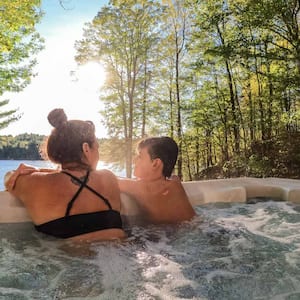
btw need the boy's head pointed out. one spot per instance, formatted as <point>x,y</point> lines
<point>164,148</point>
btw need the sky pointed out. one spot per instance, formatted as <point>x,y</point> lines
<point>54,87</point>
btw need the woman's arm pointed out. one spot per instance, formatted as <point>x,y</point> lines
<point>11,177</point>
<point>127,186</point>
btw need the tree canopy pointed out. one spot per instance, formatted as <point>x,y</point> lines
<point>123,36</point>
<point>19,42</point>
<point>221,77</point>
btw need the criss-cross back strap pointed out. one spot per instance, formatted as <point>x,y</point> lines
<point>82,185</point>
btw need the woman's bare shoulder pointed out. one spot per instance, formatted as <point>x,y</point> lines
<point>105,174</point>
<point>106,178</point>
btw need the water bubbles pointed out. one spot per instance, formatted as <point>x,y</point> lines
<point>229,251</point>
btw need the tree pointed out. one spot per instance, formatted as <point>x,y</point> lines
<point>178,21</point>
<point>121,37</point>
<point>281,18</point>
<point>7,116</point>
<point>19,42</point>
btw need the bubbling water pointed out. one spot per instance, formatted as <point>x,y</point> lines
<point>229,251</point>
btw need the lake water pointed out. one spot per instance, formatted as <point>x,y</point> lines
<point>8,165</point>
<point>228,252</point>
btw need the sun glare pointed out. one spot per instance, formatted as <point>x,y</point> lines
<point>83,100</point>
<point>91,75</point>
<point>60,82</point>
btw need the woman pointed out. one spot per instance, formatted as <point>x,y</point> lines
<point>78,201</point>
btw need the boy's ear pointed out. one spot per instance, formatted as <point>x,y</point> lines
<point>157,163</point>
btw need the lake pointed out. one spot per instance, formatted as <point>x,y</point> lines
<point>8,165</point>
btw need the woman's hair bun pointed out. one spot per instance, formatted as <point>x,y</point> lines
<point>57,117</point>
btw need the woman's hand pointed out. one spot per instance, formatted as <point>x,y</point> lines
<point>11,177</point>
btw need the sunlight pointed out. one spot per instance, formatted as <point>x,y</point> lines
<point>82,101</point>
<point>60,82</point>
<point>77,94</point>
<point>90,75</point>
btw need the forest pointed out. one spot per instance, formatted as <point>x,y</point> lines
<point>220,77</point>
<point>21,147</point>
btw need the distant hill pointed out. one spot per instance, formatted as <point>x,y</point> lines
<point>21,147</point>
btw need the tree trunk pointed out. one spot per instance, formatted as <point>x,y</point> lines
<point>233,110</point>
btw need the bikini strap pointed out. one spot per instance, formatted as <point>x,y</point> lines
<point>70,204</point>
<point>82,185</point>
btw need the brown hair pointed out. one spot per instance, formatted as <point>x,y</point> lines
<point>164,148</point>
<point>64,145</point>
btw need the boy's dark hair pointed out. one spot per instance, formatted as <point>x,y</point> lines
<point>164,148</point>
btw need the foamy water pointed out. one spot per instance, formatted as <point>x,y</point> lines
<point>229,251</point>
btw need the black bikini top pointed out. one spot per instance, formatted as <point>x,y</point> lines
<point>73,225</point>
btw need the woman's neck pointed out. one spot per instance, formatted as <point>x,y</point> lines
<point>76,167</point>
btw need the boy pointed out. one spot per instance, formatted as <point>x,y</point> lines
<point>160,199</point>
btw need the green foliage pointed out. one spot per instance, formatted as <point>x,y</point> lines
<point>278,157</point>
<point>22,147</point>
<point>122,37</point>
<point>260,166</point>
<point>220,77</point>
<point>224,77</point>
<point>8,116</point>
<point>245,88</point>
<point>19,42</point>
